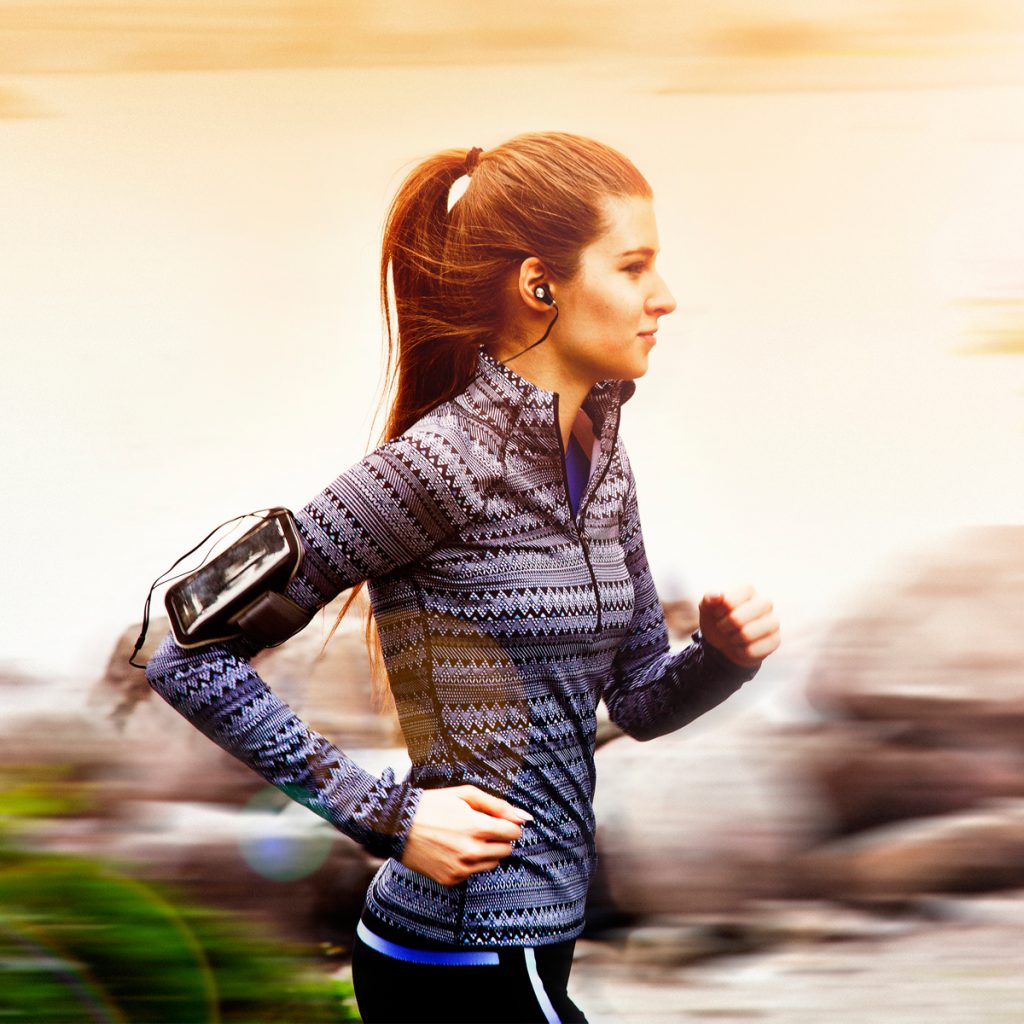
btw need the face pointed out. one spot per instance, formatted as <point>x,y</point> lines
<point>609,311</point>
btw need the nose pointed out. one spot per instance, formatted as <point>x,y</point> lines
<point>661,301</point>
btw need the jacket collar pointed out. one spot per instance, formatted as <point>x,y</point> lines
<point>513,404</point>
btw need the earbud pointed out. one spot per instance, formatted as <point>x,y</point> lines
<point>542,292</point>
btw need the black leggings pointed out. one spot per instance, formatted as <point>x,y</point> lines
<point>510,985</point>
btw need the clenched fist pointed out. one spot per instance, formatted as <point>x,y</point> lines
<point>739,624</point>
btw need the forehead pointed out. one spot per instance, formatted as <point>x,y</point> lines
<point>629,225</point>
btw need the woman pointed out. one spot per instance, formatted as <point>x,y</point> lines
<point>497,528</point>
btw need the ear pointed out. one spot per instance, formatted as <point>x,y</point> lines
<point>532,272</point>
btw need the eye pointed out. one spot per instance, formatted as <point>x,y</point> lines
<point>635,268</point>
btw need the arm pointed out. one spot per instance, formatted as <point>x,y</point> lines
<point>652,691</point>
<point>389,509</point>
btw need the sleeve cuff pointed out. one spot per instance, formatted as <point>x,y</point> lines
<point>720,664</point>
<point>388,828</point>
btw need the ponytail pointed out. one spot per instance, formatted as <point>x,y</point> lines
<point>434,363</point>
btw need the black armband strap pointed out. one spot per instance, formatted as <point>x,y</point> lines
<point>271,619</point>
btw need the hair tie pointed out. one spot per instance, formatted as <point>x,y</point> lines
<point>472,159</point>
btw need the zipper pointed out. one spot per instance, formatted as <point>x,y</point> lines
<point>583,505</point>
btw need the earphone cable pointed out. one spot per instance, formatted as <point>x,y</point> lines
<point>537,342</point>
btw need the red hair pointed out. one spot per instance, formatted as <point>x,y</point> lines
<point>539,194</point>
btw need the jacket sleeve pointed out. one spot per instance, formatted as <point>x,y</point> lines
<point>387,510</point>
<point>652,691</point>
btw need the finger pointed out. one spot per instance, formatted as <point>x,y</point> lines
<point>722,602</point>
<point>733,597</point>
<point>762,648</point>
<point>493,805</point>
<point>735,620</point>
<point>755,653</point>
<point>715,604</point>
<point>488,852</point>
<point>486,865</point>
<point>758,629</point>
<point>491,829</point>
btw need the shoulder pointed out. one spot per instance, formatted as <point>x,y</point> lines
<point>445,438</point>
<point>446,448</point>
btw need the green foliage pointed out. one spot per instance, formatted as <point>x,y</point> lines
<point>39,791</point>
<point>80,941</point>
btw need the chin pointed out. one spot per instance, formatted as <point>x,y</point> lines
<point>637,370</point>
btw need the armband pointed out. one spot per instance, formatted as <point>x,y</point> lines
<point>240,592</point>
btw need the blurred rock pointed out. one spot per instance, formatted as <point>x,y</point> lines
<point>668,941</point>
<point>668,945</point>
<point>920,973</point>
<point>689,824</point>
<point>923,690</point>
<point>681,618</point>
<point>972,851</point>
<point>940,646</point>
<point>824,921</point>
<point>874,772</point>
<point>36,749</point>
<point>122,686</point>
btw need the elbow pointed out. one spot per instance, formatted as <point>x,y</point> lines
<point>668,720</point>
<point>635,726</point>
<point>642,734</point>
<point>633,698</point>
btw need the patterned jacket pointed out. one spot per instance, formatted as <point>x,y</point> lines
<point>503,619</point>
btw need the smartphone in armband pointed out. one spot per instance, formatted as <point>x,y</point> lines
<point>240,591</point>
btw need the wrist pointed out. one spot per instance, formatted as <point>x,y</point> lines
<point>386,827</point>
<point>721,661</point>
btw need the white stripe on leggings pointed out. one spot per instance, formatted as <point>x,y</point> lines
<point>538,987</point>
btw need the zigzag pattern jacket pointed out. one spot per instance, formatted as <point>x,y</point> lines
<point>504,618</point>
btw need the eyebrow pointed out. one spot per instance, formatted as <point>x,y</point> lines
<point>642,251</point>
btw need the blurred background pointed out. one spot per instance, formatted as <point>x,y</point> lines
<point>191,199</point>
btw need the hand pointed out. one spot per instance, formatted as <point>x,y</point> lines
<point>460,830</point>
<point>740,625</point>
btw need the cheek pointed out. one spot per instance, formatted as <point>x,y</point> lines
<point>604,306</point>
<point>624,307</point>
<point>615,303</point>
